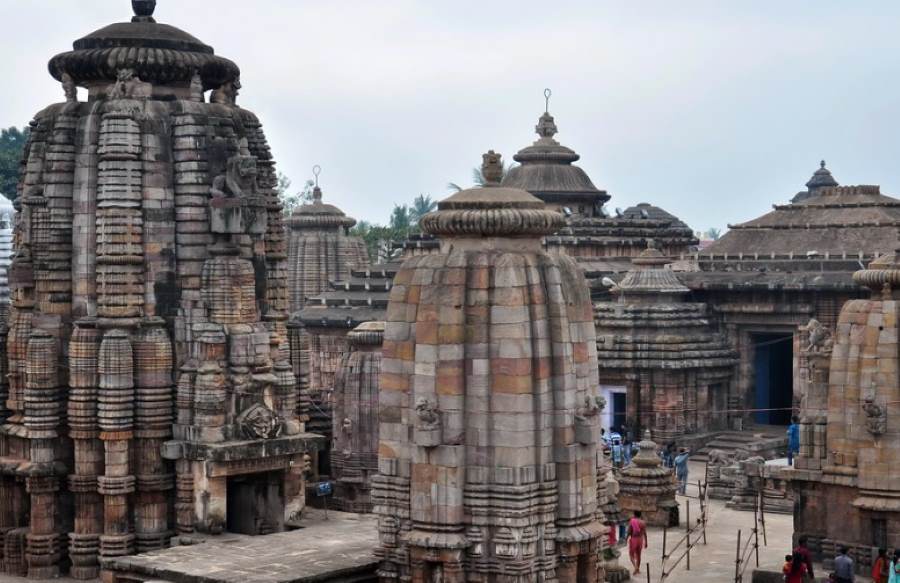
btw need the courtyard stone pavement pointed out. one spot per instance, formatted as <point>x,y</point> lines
<point>346,541</point>
<point>714,562</point>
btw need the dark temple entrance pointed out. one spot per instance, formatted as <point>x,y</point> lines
<point>774,373</point>
<point>618,411</point>
<point>255,503</point>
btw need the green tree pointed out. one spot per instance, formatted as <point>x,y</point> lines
<point>290,201</point>
<point>379,240</point>
<point>714,233</point>
<point>12,147</point>
<point>401,220</point>
<point>421,206</point>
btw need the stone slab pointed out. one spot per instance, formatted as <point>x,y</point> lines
<point>338,549</point>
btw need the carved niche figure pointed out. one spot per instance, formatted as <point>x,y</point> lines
<point>129,86</point>
<point>259,422</point>
<point>428,413</point>
<point>236,207</point>
<point>227,93</point>
<point>69,88</point>
<point>591,407</point>
<point>428,431</point>
<point>876,416</point>
<point>347,429</point>
<point>818,336</point>
<point>587,431</point>
<point>197,88</point>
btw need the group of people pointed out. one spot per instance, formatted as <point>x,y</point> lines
<point>886,569</point>
<point>798,566</point>
<point>623,449</point>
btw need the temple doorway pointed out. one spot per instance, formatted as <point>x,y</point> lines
<point>774,378</point>
<point>615,413</point>
<point>255,503</point>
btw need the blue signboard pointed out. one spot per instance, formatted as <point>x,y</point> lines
<point>324,489</point>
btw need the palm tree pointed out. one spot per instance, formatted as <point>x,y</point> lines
<point>421,206</point>
<point>714,233</point>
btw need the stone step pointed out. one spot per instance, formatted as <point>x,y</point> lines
<point>766,442</point>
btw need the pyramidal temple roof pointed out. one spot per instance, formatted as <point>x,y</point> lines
<point>828,219</point>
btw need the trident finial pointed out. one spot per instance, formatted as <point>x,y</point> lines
<point>317,192</point>
<point>547,94</point>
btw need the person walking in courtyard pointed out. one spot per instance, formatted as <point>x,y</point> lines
<point>637,540</point>
<point>793,435</point>
<point>803,549</point>
<point>843,567</point>
<point>681,470</point>
<point>880,567</point>
<point>794,570</point>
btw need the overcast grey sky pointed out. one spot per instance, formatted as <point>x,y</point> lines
<point>713,110</point>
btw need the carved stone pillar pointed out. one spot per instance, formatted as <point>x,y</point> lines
<point>42,418</point>
<point>84,540</point>
<point>153,423</point>
<point>116,420</point>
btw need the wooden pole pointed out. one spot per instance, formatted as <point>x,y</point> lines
<point>665,531</point>
<point>687,526</point>
<point>756,537</point>
<point>737,560</point>
<point>648,572</point>
<point>762,517</point>
<point>703,509</point>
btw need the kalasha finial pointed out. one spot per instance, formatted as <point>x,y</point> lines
<point>143,10</point>
<point>491,168</point>
<point>317,192</point>
<point>546,127</point>
<point>822,164</point>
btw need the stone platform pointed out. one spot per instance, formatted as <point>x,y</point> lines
<point>321,551</point>
<point>766,441</point>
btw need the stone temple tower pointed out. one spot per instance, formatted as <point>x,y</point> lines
<point>150,252</point>
<point>319,249</point>
<point>488,413</point>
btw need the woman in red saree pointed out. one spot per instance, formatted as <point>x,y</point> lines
<point>637,540</point>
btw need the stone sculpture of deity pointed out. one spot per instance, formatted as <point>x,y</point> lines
<point>876,416</point>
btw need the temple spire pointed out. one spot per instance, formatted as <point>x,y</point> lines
<point>821,178</point>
